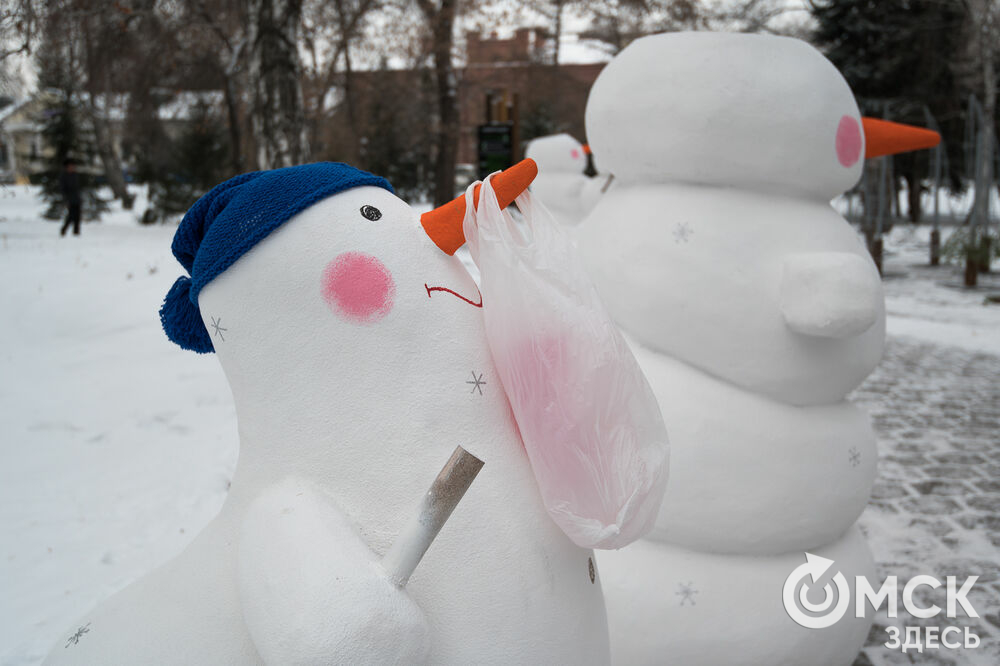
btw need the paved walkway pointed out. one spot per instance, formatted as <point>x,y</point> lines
<point>935,508</point>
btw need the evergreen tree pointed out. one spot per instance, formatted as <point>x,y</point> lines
<point>66,137</point>
<point>898,54</point>
<point>192,165</point>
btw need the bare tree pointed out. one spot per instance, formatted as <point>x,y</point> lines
<point>617,23</point>
<point>104,43</point>
<point>92,43</point>
<point>748,15</point>
<point>349,14</point>
<point>553,11</point>
<point>984,40</point>
<point>19,24</point>
<point>277,116</point>
<point>332,30</point>
<point>978,70</point>
<point>440,18</point>
<point>223,22</point>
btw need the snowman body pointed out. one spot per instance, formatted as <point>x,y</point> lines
<point>561,184</point>
<point>753,310</point>
<point>354,379</point>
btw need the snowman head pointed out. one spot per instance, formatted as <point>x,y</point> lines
<point>559,153</point>
<point>291,263</point>
<point>753,112</point>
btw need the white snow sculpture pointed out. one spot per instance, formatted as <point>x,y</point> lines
<point>346,413</point>
<point>753,309</point>
<point>561,183</point>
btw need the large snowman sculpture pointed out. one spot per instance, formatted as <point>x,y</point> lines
<point>753,309</point>
<point>356,354</point>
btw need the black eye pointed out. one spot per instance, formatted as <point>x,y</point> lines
<point>371,212</point>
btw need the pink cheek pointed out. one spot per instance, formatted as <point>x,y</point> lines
<point>358,287</point>
<point>574,153</point>
<point>848,141</point>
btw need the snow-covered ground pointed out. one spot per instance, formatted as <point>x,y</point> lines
<point>929,304</point>
<point>951,205</point>
<point>116,447</point>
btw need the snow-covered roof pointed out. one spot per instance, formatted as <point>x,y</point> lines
<point>181,107</point>
<point>11,109</point>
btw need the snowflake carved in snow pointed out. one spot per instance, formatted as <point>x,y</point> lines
<point>75,638</point>
<point>477,383</point>
<point>686,592</point>
<point>854,456</point>
<point>682,232</point>
<point>216,324</point>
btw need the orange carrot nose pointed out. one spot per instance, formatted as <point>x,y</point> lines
<point>883,137</point>
<point>586,149</point>
<point>444,223</point>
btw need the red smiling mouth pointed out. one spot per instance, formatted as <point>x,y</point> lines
<point>456,294</point>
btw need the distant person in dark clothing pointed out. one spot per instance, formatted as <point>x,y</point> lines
<point>69,183</point>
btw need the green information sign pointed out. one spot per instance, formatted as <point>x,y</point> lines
<point>496,147</point>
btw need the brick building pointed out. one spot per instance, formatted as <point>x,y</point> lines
<point>509,80</point>
<point>502,80</point>
<point>527,44</point>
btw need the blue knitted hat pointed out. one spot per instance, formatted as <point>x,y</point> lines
<point>232,218</point>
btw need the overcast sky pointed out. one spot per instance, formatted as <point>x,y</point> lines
<point>572,49</point>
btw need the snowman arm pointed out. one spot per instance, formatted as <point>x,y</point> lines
<point>591,191</point>
<point>312,591</point>
<point>830,294</point>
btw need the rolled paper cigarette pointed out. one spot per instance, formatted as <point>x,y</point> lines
<point>441,499</point>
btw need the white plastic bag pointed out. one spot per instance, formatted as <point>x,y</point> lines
<point>589,421</point>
